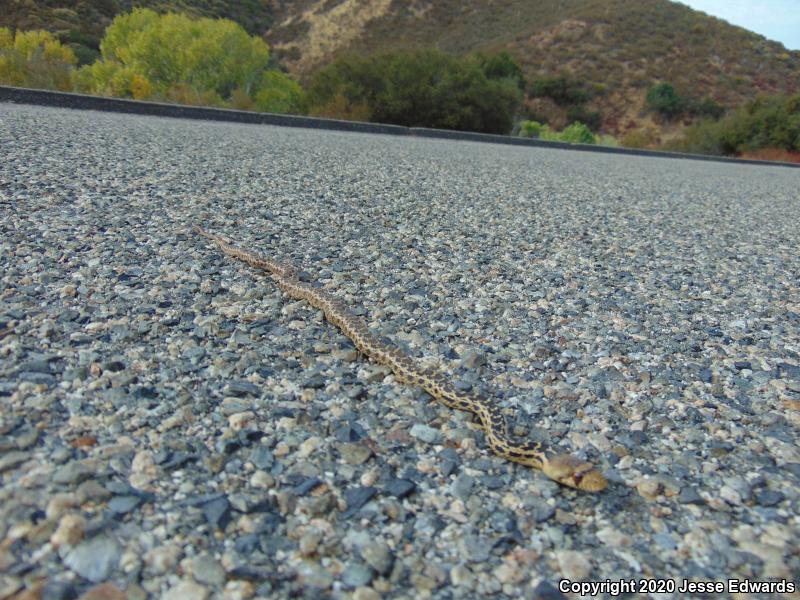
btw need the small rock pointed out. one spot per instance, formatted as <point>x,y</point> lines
<point>239,421</point>
<point>94,559</point>
<point>121,505</point>
<point>462,486</point>
<point>261,457</point>
<point>104,591</point>
<point>309,446</point>
<point>218,512</point>
<point>378,555</point>
<point>547,591</point>
<point>262,480</point>
<point>356,575</point>
<point>425,433</point>
<point>665,540</point>
<point>366,593</point>
<point>69,532</point>
<point>649,489</point>
<point>399,488</point>
<point>186,590</point>
<point>689,495</point>
<point>143,469</point>
<point>461,576</point>
<point>74,472</point>
<point>611,536</point>
<point>573,565</point>
<point>162,559</point>
<point>472,359</point>
<point>241,388</point>
<point>238,590</point>
<point>354,453</point>
<point>356,498</point>
<point>769,497</point>
<point>206,569</point>
<point>307,486</point>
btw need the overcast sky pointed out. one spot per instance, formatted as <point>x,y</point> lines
<point>776,19</point>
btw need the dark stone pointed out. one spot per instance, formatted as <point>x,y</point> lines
<point>769,497</point>
<point>689,495</point>
<point>546,591</point>
<point>178,459</point>
<point>121,505</point>
<point>705,375</point>
<point>59,590</point>
<point>218,512</point>
<point>350,432</point>
<point>315,381</point>
<point>146,392</point>
<point>122,488</point>
<point>115,366</point>
<point>492,482</point>
<point>791,371</point>
<point>262,457</point>
<point>543,512</point>
<point>399,488</point>
<point>447,467</point>
<point>241,388</point>
<point>306,486</point>
<point>462,385</point>
<point>356,498</point>
<point>742,364</point>
<point>251,573</point>
<point>36,366</point>
<point>246,544</point>
<point>793,468</point>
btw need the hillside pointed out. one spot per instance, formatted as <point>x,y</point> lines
<point>619,48</point>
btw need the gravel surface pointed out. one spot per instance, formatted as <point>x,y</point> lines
<point>173,426</point>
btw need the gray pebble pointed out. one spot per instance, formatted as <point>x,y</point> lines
<point>94,559</point>
<point>425,433</point>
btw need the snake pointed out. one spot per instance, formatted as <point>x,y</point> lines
<point>565,469</point>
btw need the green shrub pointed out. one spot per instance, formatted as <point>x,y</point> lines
<point>768,122</point>
<point>502,66</point>
<point>530,129</point>
<point>35,59</point>
<point>591,118</point>
<point>562,89</point>
<point>663,99</point>
<point>422,88</point>
<point>707,108</point>
<point>576,133</point>
<point>279,93</point>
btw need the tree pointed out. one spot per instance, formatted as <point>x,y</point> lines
<point>502,66</point>
<point>562,89</point>
<point>35,59</point>
<point>422,88</point>
<point>187,60</point>
<point>665,100</point>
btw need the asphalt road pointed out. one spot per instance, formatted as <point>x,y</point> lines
<point>172,424</point>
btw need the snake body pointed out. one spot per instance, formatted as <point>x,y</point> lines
<point>563,468</point>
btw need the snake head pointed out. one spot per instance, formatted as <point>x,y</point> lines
<point>574,472</point>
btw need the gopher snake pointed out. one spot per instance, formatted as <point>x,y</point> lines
<point>563,468</point>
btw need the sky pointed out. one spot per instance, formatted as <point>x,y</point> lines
<point>777,20</point>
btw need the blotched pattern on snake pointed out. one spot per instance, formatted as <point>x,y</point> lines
<point>563,468</point>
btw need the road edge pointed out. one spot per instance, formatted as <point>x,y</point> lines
<point>159,109</point>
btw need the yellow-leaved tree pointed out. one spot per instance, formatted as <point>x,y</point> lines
<point>178,58</point>
<point>34,59</point>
